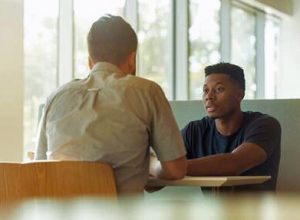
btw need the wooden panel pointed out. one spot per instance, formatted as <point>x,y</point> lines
<point>61,179</point>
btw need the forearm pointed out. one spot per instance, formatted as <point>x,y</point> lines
<point>170,170</point>
<point>155,167</point>
<point>215,165</point>
<point>245,157</point>
<point>158,172</point>
<point>165,174</point>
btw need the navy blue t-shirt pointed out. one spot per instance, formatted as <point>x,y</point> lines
<point>201,138</point>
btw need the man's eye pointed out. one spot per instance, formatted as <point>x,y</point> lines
<point>205,91</point>
<point>220,89</point>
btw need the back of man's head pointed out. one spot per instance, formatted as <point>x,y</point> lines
<point>235,72</point>
<point>111,39</point>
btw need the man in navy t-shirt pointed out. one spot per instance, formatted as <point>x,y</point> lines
<point>229,141</point>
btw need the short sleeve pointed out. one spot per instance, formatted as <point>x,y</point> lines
<point>41,148</point>
<point>193,137</point>
<point>264,131</point>
<point>187,135</point>
<point>165,137</point>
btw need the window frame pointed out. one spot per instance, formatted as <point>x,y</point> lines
<point>65,42</point>
<point>178,67</point>
<point>260,19</point>
<point>178,71</point>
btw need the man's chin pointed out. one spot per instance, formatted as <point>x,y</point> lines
<point>212,116</point>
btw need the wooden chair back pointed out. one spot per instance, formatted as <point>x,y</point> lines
<point>56,179</point>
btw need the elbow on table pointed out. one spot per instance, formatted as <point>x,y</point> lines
<point>177,169</point>
<point>179,174</point>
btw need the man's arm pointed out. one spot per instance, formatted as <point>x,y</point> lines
<point>165,139</point>
<point>170,170</point>
<point>244,157</point>
<point>41,148</point>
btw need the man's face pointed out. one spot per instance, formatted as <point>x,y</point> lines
<point>221,96</point>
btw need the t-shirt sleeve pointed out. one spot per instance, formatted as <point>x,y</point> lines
<point>265,132</point>
<point>193,134</point>
<point>165,137</point>
<point>187,135</point>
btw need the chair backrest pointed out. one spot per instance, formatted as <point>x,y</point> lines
<point>56,179</point>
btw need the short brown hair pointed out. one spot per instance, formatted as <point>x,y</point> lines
<point>111,39</point>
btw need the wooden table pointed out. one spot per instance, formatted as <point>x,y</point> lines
<point>210,181</point>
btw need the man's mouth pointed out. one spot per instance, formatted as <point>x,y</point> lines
<point>210,108</point>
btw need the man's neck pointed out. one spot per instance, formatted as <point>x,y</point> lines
<point>230,124</point>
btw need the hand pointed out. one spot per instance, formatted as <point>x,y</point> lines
<point>154,167</point>
<point>151,189</point>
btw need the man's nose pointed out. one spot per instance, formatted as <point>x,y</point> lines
<point>210,95</point>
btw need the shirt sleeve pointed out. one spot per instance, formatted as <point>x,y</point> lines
<point>41,148</point>
<point>165,137</point>
<point>265,132</point>
<point>193,134</point>
<point>187,134</point>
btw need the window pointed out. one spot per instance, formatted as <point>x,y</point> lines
<point>204,41</point>
<point>154,54</point>
<point>243,46</point>
<point>177,39</point>
<point>85,13</point>
<point>40,49</point>
<point>271,56</point>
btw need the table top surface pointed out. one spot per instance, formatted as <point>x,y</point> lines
<point>210,181</point>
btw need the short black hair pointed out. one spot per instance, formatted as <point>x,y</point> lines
<point>235,72</point>
<point>111,39</point>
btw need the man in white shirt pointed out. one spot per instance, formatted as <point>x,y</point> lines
<point>112,115</point>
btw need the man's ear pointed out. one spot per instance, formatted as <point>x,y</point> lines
<point>91,63</point>
<point>132,62</point>
<point>240,95</point>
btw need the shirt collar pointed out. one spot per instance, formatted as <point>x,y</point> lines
<point>105,67</point>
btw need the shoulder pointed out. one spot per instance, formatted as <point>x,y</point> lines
<point>201,124</point>
<point>263,130</point>
<point>138,88</point>
<point>72,85</point>
<point>261,119</point>
<point>68,88</point>
<point>139,83</point>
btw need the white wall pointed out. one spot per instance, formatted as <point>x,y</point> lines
<point>11,80</point>
<point>285,6</point>
<point>289,77</point>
